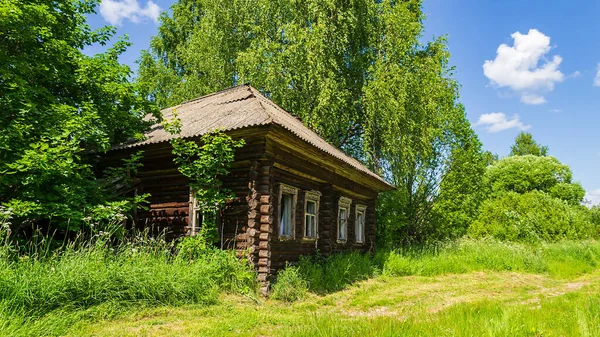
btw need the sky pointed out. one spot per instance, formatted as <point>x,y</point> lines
<point>523,65</point>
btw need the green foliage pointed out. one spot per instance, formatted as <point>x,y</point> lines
<point>532,198</point>
<point>523,174</point>
<point>61,108</point>
<point>526,145</point>
<point>531,217</point>
<point>204,163</point>
<point>289,286</point>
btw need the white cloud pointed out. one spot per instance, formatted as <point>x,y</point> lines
<point>597,78</point>
<point>532,99</point>
<point>497,121</point>
<point>518,67</point>
<point>593,197</point>
<point>115,11</point>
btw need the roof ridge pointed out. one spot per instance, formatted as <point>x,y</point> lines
<point>234,88</point>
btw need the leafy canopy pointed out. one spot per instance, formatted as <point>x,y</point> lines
<point>522,174</point>
<point>525,144</point>
<point>60,108</point>
<point>532,198</point>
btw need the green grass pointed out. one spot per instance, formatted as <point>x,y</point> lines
<point>472,304</point>
<point>44,294</point>
<point>465,288</point>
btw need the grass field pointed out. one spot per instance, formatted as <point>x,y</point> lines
<point>472,304</point>
<point>463,288</point>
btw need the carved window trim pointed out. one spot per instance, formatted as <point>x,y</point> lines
<point>285,189</point>
<point>360,209</point>
<point>311,196</point>
<point>342,223</point>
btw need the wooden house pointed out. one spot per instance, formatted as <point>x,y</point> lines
<point>296,193</point>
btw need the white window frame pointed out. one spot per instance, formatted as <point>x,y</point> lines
<point>293,191</point>
<point>360,209</point>
<point>311,196</point>
<point>344,203</point>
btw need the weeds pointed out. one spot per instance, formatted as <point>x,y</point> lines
<point>98,278</point>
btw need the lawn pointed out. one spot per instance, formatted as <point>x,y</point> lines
<point>470,304</point>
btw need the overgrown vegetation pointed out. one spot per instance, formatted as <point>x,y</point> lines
<point>94,279</point>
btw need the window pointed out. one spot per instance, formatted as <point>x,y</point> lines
<point>311,209</point>
<point>195,214</point>
<point>360,223</point>
<point>343,211</point>
<point>287,205</point>
<point>285,215</point>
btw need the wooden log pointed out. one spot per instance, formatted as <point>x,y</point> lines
<point>266,219</point>
<point>264,253</point>
<point>266,228</point>
<point>252,232</point>
<point>265,236</point>
<point>264,245</point>
<point>266,209</point>
<point>264,262</point>
<point>265,199</point>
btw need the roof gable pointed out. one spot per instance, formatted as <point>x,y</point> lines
<point>235,108</point>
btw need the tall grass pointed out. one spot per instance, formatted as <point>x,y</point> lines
<point>324,275</point>
<point>82,278</point>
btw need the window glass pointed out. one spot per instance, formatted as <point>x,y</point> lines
<point>342,223</point>
<point>285,215</point>
<point>311,219</point>
<point>360,226</point>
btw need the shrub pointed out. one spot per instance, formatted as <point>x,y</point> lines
<point>532,217</point>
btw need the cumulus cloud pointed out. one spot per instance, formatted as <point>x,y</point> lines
<point>524,68</point>
<point>597,78</point>
<point>497,121</point>
<point>115,11</point>
<point>593,197</point>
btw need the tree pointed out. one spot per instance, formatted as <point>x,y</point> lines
<point>522,174</point>
<point>353,71</point>
<point>532,198</point>
<point>60,108</point>
<point>525,144</point>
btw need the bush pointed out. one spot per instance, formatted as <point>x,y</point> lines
<point>532,217</point>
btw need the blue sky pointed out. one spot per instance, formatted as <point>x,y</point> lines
<point>541,61</point>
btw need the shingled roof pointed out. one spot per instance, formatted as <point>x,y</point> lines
<point>235,108</point>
